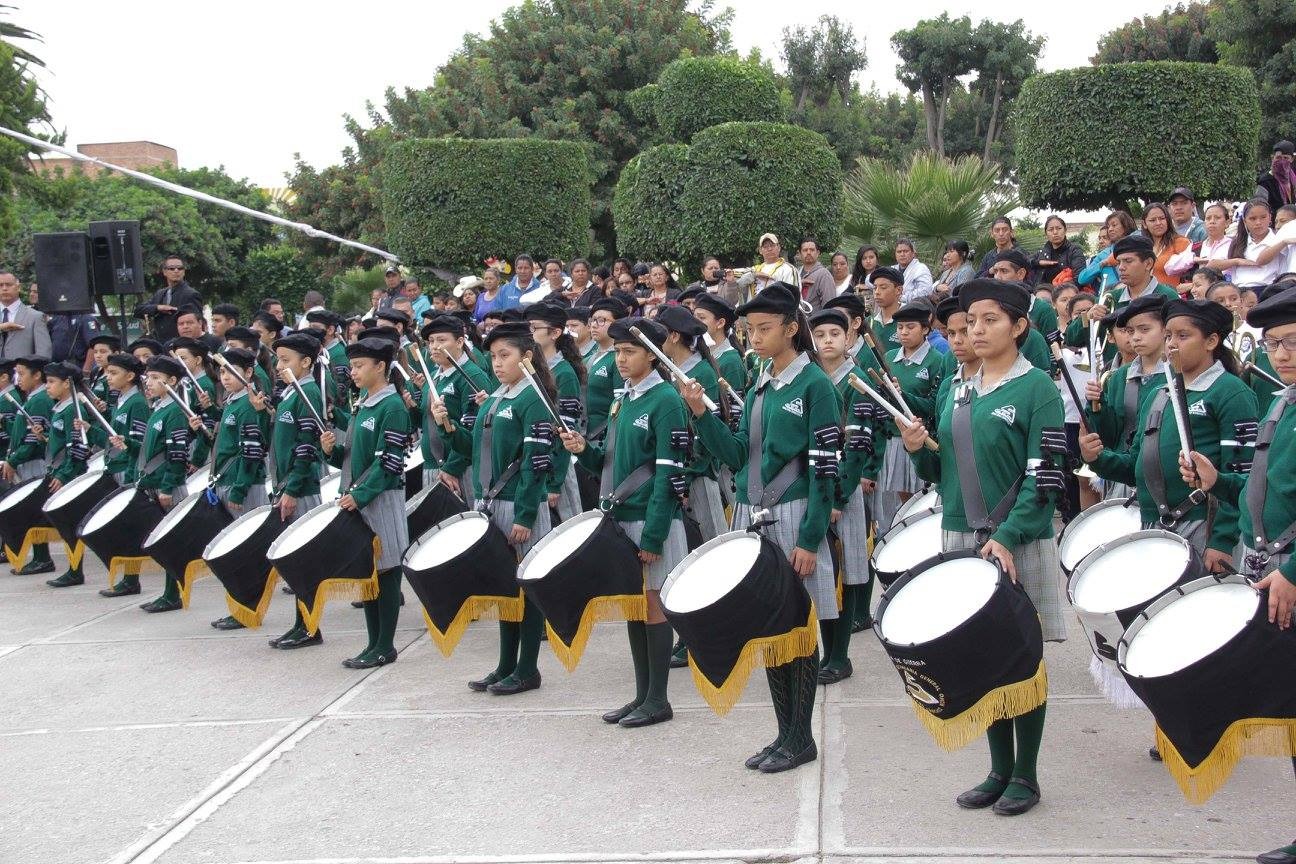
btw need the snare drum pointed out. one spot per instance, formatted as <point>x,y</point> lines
<point>584,571</point>
<point>927,500</point>
<point>327,553</point>
<point>413,472</point>
<point>331,486</point>
<point>738,605</point>
<point>1218,677</point>
<point>967,644</point>
<point>67,507</point>
<point>910,541</point>
<point>1096,525</point>
<point>177,541</point>
<point>237,557</point>
<point>115,529</point>
<point>462,569</point>
<point>198,480</point>
<point>23,522</point>
<point>429,507</point>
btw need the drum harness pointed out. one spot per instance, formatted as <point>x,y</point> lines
<point>983,523</point>
<point>610,497</point>
<point>487,456</point>
<point>760,495</point>
<point>1258,489</point>
<point>1151,458</point>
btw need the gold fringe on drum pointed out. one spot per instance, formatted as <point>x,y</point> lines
<point>616,607</point>
<point>253,618</point>
<point>1001,703</point>
<point>117,567</point>
<point>474,609</point>
<point>75,553</point>
<point>341,589</point>
<point>763,652</point>
<point>1253,736</point>
<point>193,571</point>
<point>30,539</point>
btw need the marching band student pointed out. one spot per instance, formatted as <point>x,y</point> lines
<point>129,419</point>
<point>267,327</point>
<point>966,362</point>
<point>604,379</point>
<point>853,307</point>
<point>719,317</point>
<point>373,477</point>
<point>164,455</point>
<point>337,370</point>
<point>917,368</point>
<point>295,458</point>
<point>558,349</point>
<point>239,452</point>
<point>445,337</point>
<point>886,299</point>
<point>65,454</point>
<point>144,349</point>
<point>1222,417</point>
<point>26,456</point>
<point>248,340</point>
<point>511,450</point>
<point>1017,414</point>
<point>101,346</point>
<point>648,436</point>
<point>791,415</point>
<point>7,412</point>
<point>578,328</point>
<point>203,399</point>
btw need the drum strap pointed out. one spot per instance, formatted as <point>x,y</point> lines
<point>610,497</point>
<point>491,492</point>
<point>1258,486</point>
<point>760,495</point>
<point>974,506</point>
<point>1132,390</point>
<point>1151,457</point>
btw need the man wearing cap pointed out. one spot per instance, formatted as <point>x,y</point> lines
<point>1135,261</point>
<point>1278,184</point>
<point>393,283</point>
<point>817,283</point>
<point>771,269</point>
<point>1183,212</point>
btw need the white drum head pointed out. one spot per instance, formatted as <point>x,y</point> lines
<point>97,462</point>
<point>1129,574</point>
<point>414,459</point>
<point>1192,627</point>
<point>238,531</point>
<point>1102,523</point>
<point>720,564</point>
<point>555,547</point>
<point>446,541</point>
<point>937,600</point>
<point>304,530</point>
<point>916,504</point>
<point>18,495</point>
<point>197,481</point>
<point>331,486</point>
<point>173,516</point>
<point>918,541</point>
<point>109,509</point>
<point>71,490</point>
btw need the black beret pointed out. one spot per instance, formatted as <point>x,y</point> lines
<point>373,348</point>
<point>613,305</point>
<point>837,317</point>
<point>151,344</point>
<point>33,363</point>
<point>620,331</point>
<point>919,310</point>
<point>243,334</point>
<point>1153,303</point>
<point>299,343</point>
<point>325,317</point>
<point>193,346</point>
<point>1275,311</point>
<point>1276,288</point>
<point>693,292</point>
<point>679,319</point>
<point>1015,257</point>
<point>387,333</point>
<point>227,310</point>
<point>578,313</point>
<point>166,365</point>
<point>104,339</point>
<point>714,304</point>
<point>777,298</point>
<point>396,316</point>
<point>518,330</point>
<point>1213,317</point>
<point>268,321</point>
<point>63,370</point>
<point>889,273</point>
<point>443,324</point>
<point>1137,244</point>
<point>548,313</point>
<point>946,308</point>
<point>129,362</point>
<point>240,357</point>
<point>1013,296</point>
<point>850,303</point>
<point>6,366</point>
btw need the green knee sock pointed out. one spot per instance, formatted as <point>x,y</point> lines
<point>1030,732</point>
<point>41,553</point>
<point>840,652</point>
<point>864,598</point>
<point>509,632</point>
<point>529,641</point>
<point>804,675</point>
<point>658,644</point>
<point>827,635</point>
<point>389,596</point>
<point>1000,736</point>
<point>637,635</point>
<point>171,592</point>
<point>371,628</point>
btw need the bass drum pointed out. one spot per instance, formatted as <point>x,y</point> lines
<point>237,557</point>
<point>67,507</point>
<point>115,529</point>
<point>429,507</point>
<point>97,462</point>
<point>326,553</point>
<point>22,519</point>
<point>331,486</point>
<point>197,481</point>
<point>928,499</point>
<point>413,473</point>
<point>910,541</point>
<point>177,541</point>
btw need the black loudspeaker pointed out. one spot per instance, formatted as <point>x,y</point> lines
<point>63,272</point>
<point>117,263</point>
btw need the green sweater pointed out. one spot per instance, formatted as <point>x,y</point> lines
<point>702,463</point>
<point>24,446</point>
<point>919,377</point>
<point>1036,350</point>
<point>129,420</point>
<point>1008,422</point>
<point>800,410</point>
<point>521,429</point>
<point>604,381</point>
<point>99,389</point>
<point>7,414</point>
<point>240,447</point>
<point>858,460</point>
<point>380,434</point>
<point>201,446</point>
<point>1109,421</point>
<point>58,458</point>
<point>570,409</point>
<point>651,425</point>
<point>457,395</point>
<point>732,368</point>
<point>294,444</point>
<point>1279,512</point>
<point>166,439</point>
<point>1217,403</point>
<point>1043,316</point>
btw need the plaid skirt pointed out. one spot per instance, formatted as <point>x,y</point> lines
<point>674,550</point>
<point>728,489</point>
<point>884,505</point>
<point>1197,533</point>
<point>256,496</point>
<point>898,473</point>
<point>1038,571</point>
<point>822,583</point>
<point>569,500</point>
<point>502,517</point>
<point>1116,490</point>
<point>852,528</point>
<point>28,470</point>
<point>385,515</point>
<point>707,507</point>
<point>432,475</point>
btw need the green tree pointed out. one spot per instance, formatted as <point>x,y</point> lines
<point>1260,35</point>
<point>282,272</point>
<point>822,61</point>
<point>11,33</point>
<point>1179,33</point>
<point>1007,57</point>
<point>696,92</point>
<point>934,54</point>
<point>22,108</point>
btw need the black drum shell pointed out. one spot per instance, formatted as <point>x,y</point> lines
<point>436,503</point>
<point>124,536</point>
<point>26,514</point>
<point>487,568</point>
<point>66,518</point>
<point>189,536</point>
<point>243,570</point>
<point>346,553</point>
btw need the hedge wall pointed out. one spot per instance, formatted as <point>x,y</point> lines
<point>451,202</point>
<point>694,93</point>
<point>1091,137</point>
<point>646,205</point>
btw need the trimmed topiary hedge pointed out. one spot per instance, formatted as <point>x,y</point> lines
<point>695,93</point>
<point>646,204</point>
<point>1091,137</point>
<point>452,202</point>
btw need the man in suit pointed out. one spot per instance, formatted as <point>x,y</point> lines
<point>22,329</point>
<point>162,307</point>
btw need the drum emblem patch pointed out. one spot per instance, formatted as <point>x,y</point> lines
<point>920,688</point>
<point>1006,413</point>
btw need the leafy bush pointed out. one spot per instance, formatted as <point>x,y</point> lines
<point>695,93</point>
<point>282,272</point>
<point>451,202</point>
<point>1089,137</point>
<point>646,205</point>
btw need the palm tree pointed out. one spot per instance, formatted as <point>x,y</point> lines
<point>10,31</point>
<point>932,201</point>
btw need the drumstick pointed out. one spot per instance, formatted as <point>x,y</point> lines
<point>301,394</point>
<point>434,398</point>
<point>188,412</point>
<point>99,418</point>
<point>31,421</point>
<point>192,377</point>
<point>233,370</point>
<point>458,364</point>
<point>324,397</point>
<point>529,371</point>
<point>1248,366</point>
<point>76,409</point>
<point>862,386</point>
<point>676,372</point>
<point>888,384</point>
<point>1071,388</point>
<point>1172,386</point>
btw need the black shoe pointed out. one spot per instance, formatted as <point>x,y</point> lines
<point>1278,856</point>
<point>357,604</point>
<point>754,762</point>
<point>371,662</point>
<point>834,674</point>
<point>35,568</point>
<point>615,715</point>
<point>121,589</point>
<point>1154,754</point>
<point>229,622</point>
<point>67,580</point>
<point>782,760</point>
<point>976,799</point>
<point>481,684</point>
<point>274,643</point>
<point>1018,806</point>
<point>162,605</point>
<point>513,685</point>
<point>679,659</point>
<point>859,625</point>
<point>299,639</point>
<point>645,716</point>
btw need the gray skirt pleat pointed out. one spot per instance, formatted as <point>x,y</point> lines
<point>707,507</point>
<point>852,528</point>
<point>822,583</point>
<point>674,550</point>
<point>256,496</point>
<point>28,470</point>
<point>569,502</point>
<point>1038,571</point>
<point>385,515</point>
<point>502,517</point>
<point>898,473</point>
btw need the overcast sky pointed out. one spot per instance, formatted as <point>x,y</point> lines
<point>247,84</point>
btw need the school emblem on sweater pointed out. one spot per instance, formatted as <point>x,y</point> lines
<point>506,413</point>
<point>1197,409</point>
<point>796,406</point>
<point>157,427</point>
<point>642,422</point>
<point>286,417</point>
<point>922,375</point>
<point>369,423</point>
<point>120,418</point>
<point>449,390</point>
<point>1006,413</point>
<point>602,372</point>
<point>231,420</point>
